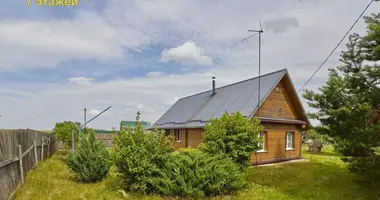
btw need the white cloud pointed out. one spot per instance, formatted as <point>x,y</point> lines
<point>280,25</point>
<point>187,52</point>
<point>81,81</point>
<point>155,74</point>
<point>125,110</point>
<point>127,25</point>
<point>93,112</point>
<point>46,43</point>
<point>151,96</point>
<point>18,93</point>
<point>143,109</point>
<point>140,106</point>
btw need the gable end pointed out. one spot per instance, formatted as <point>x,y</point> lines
<point>282,103</point>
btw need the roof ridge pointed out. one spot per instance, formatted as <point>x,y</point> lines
<point>284,69</point>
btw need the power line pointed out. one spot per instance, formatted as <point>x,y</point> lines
<point>323,63</point>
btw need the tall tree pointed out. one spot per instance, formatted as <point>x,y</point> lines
<point>349,103</point>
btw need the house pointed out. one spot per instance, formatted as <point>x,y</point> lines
<point>132,124</point>
<point>315,146</point>
<point>280,111</point>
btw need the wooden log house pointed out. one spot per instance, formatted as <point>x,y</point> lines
<point>280,111</point>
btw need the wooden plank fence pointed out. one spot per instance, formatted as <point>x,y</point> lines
<point>20,151</point>
<point>107,138</point>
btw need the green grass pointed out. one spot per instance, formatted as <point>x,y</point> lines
<point>46,131</point>
<point>324,176</point>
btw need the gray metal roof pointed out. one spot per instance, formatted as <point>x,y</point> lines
<point>195,110</point>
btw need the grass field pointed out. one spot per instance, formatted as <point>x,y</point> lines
<point>324,176</point>
<point>46,131</point>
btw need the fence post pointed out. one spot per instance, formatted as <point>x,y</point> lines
<point>20,161</point>
<point>42,149</point>
<point>72,140</point>
<point>49,147</point>
<point>35,152</point>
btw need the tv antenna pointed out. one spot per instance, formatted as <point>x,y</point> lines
<point>259,32</point>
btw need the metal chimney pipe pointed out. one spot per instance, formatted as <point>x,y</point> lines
<point>213,86</point>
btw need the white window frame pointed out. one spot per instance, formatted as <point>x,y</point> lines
<point>289,140</point>
<point>262,135</point>
<point>178,135</point>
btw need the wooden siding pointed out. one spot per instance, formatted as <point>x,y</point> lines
<point>278,99</point>
<point>195,137</point>
<point>276,140</point>
<point>189,138</point>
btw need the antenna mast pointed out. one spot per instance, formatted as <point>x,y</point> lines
<point>258,100</point>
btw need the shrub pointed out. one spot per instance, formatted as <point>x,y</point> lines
<point>312,134</point>
<point>233,136</point>
<point>62,130</point>
<point>139,155</point>
<point>193,173</point>
<point>91,161</point>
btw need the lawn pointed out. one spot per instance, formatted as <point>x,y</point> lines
<point>323,176</point>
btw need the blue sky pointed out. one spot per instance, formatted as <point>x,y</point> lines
<point>143,55</point>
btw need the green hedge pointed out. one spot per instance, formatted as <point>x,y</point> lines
<point>193,173</point>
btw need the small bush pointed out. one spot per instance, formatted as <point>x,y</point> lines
<point>233,136</point>
<point>139,155</point>
<point>193,173</point>
<point>91,161</point>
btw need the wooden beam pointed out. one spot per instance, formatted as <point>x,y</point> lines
<point>285,121</point>
<point>42,149</point>
<point>27,151</point>
<point>9,161</point>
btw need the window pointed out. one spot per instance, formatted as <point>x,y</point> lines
<point>172,132</point>
<point>289,140</point>
<point>167,132</point>
<point>262,144</point>
<point>178,135</point>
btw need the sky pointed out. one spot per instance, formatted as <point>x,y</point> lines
<point>143,55</point>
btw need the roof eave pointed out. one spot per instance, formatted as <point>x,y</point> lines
<point>284,121</point>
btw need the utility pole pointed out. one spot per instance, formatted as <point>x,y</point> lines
<point>85,115</point>
<point>80,127</point>
<point>258,100</point>
<point>83,125</point>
